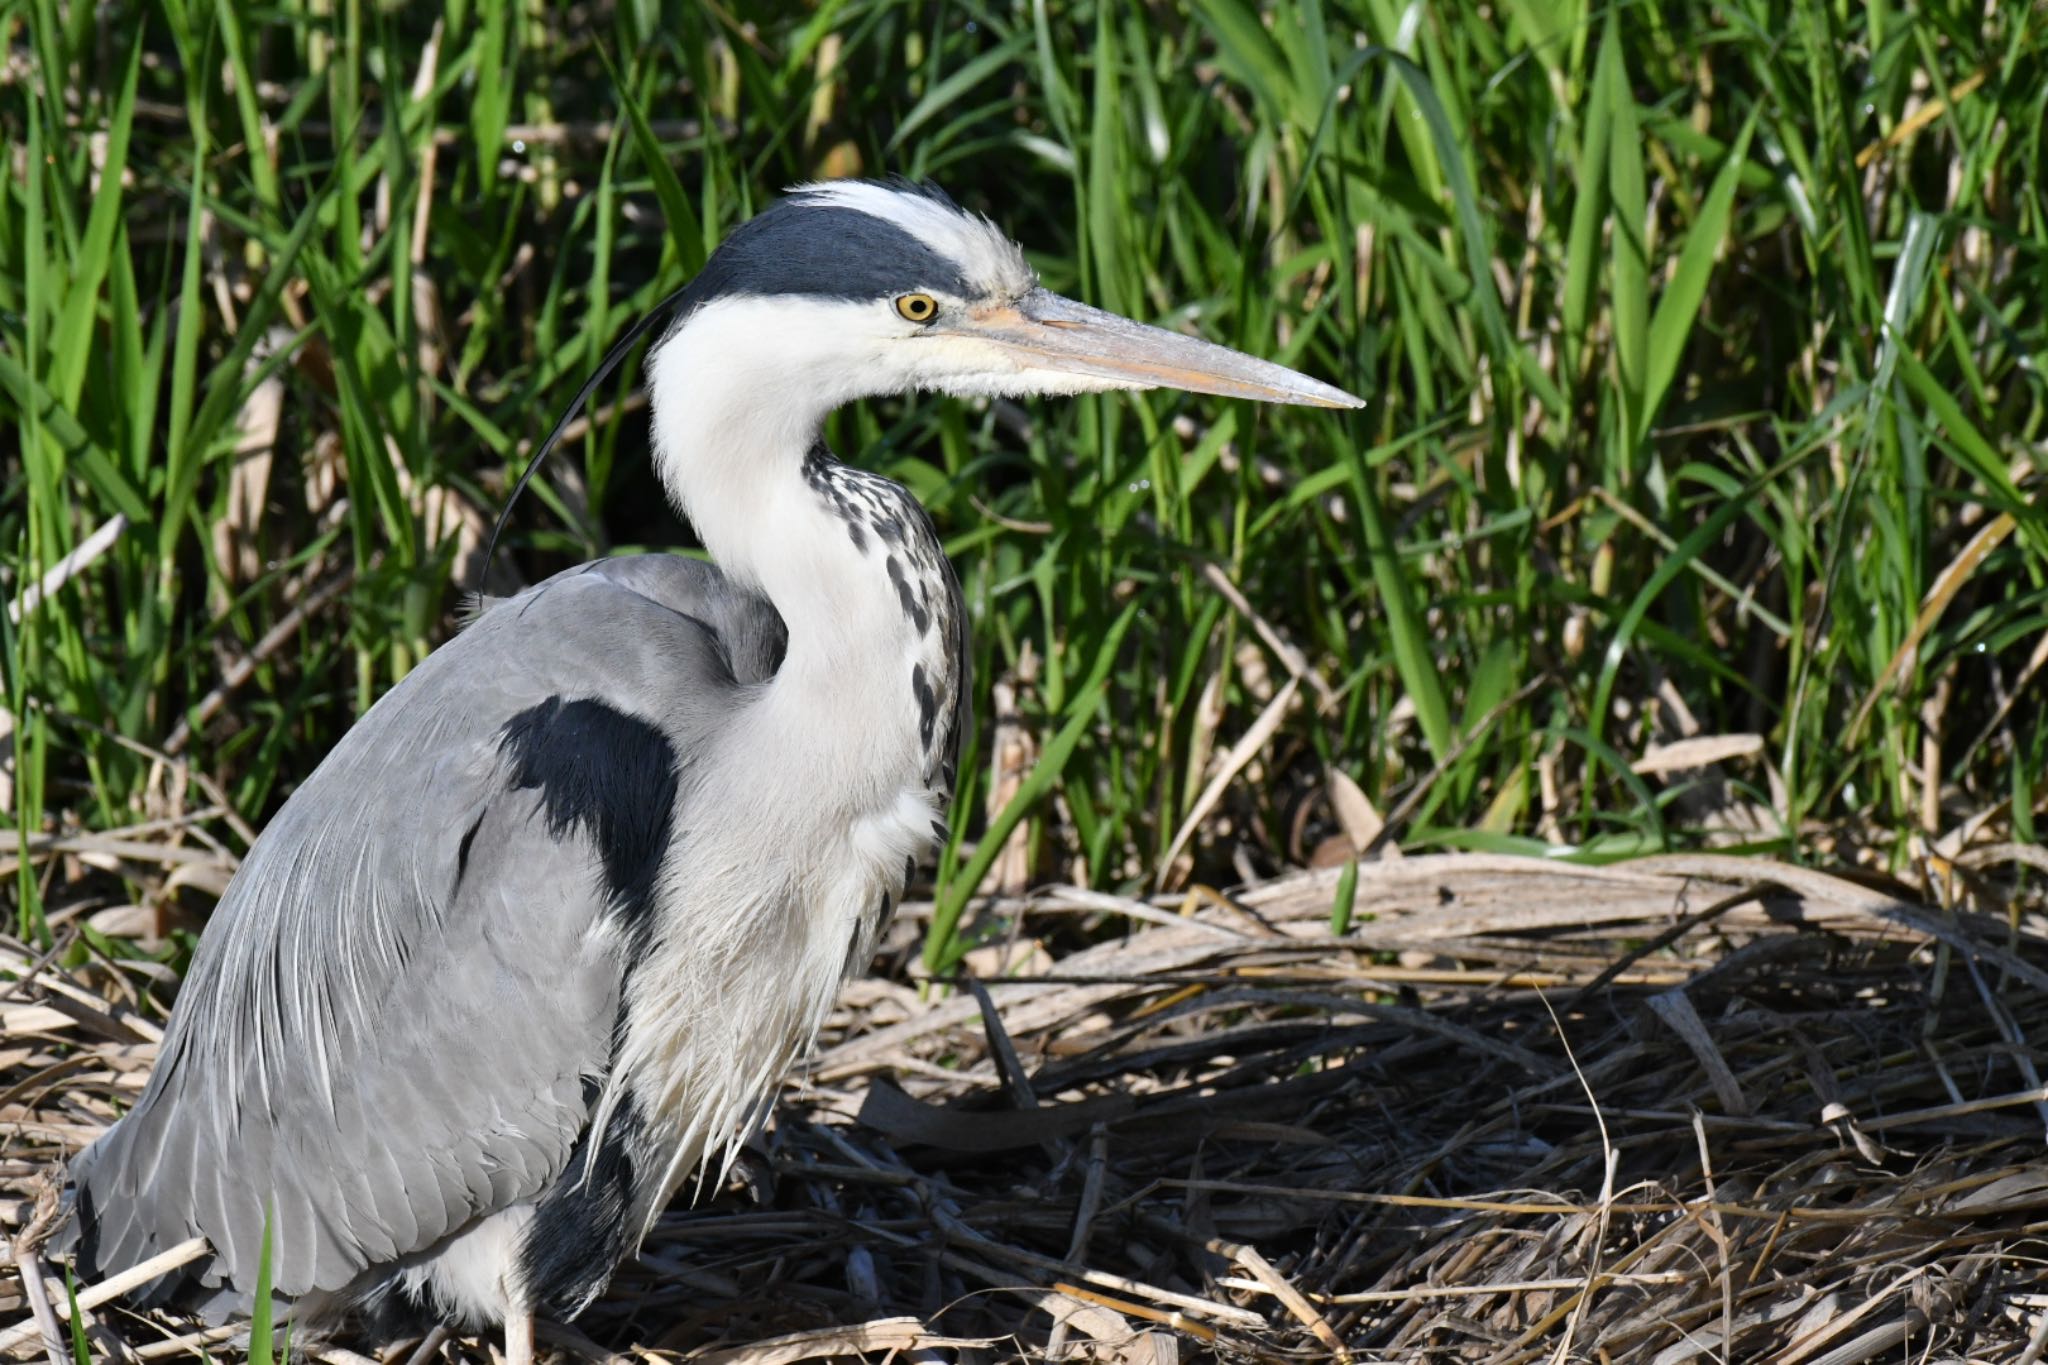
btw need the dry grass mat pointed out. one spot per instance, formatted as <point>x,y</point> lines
<point>1689,1108</point>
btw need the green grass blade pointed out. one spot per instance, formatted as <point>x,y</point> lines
<point>942,946</point>
<point>1589,205</point>
<point>1414,652</point>
<point>81,1349</point>
<point>1976,454</point>
<point>1629,262</point>
<point>948,91</point>
<point>1248,51</point>
<point>1679,308</point>
<point>491,110</point>
<point>685,231</point>
<point>262,1307</point>
<point>1625,629</point>
<point>72,346</point>
<point>182,454</point>
<point>1346,899</point>
<point>1511,359</point>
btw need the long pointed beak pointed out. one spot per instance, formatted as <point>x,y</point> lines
<point>1045,331</point>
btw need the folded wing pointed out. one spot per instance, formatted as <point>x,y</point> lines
<point>399,1016</point>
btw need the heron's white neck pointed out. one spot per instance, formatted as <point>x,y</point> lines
<point>848,559</point>
<point>737,408</point>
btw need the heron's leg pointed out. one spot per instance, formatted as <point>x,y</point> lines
<point>519,1336</point>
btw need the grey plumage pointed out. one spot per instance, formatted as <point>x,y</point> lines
<point>347,1047</point>
<point>539,937</point>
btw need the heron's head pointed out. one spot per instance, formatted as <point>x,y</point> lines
<point>851,289</point>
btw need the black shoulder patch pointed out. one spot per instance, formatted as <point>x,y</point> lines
<point>605,775</point>
<point>581,1229</point>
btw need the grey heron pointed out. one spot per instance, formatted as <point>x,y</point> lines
<point>541,934</point>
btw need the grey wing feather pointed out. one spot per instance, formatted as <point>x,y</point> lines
<point>751,637</point>
<point>389,1026</point>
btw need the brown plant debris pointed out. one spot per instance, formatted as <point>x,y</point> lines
<point>1691,1108</point>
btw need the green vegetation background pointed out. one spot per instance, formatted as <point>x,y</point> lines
<point>1704,343</point>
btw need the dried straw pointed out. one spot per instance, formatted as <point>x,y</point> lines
<point>1693,1108</point>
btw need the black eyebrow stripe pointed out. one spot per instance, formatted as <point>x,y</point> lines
<point>828,251</point>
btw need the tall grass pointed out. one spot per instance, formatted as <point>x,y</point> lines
<point>1704,343</point>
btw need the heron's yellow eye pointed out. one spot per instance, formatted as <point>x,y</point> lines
<point>917,307</point>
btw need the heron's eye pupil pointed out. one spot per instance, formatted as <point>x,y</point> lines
<point>917,307</point>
